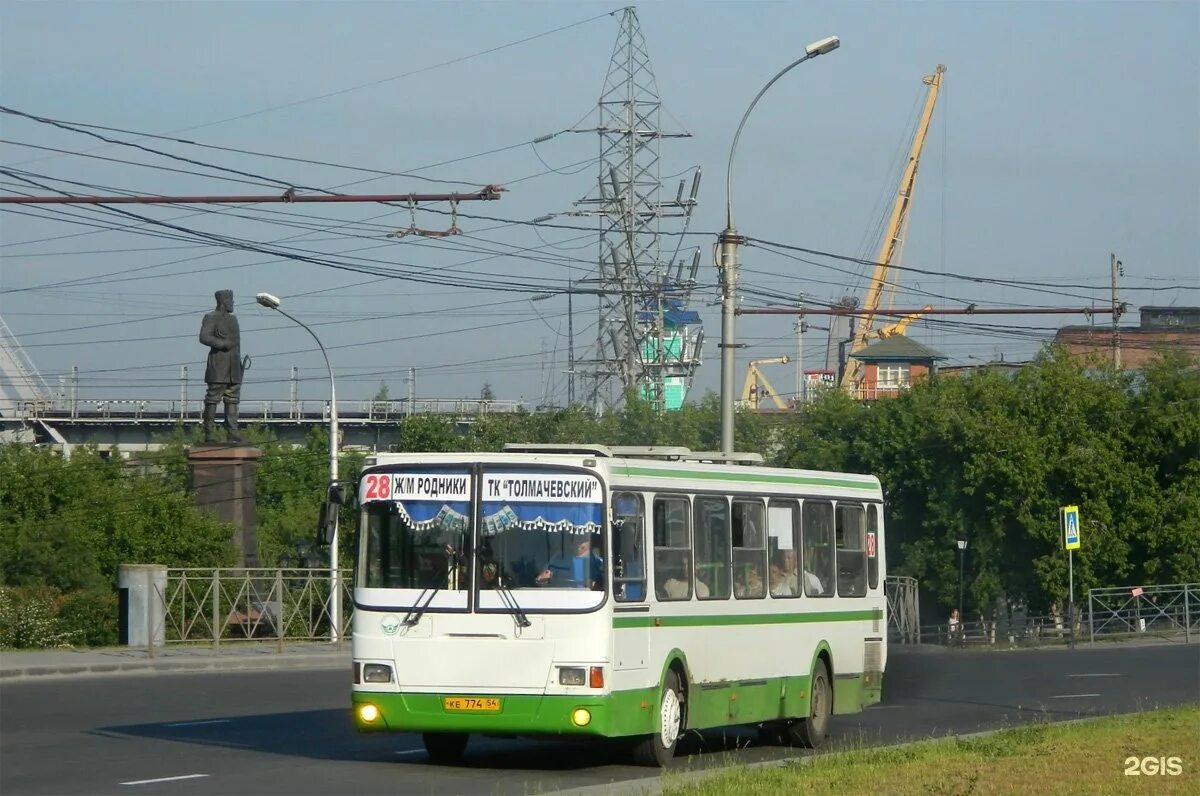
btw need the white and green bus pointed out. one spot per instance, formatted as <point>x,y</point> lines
<point>614,592</point>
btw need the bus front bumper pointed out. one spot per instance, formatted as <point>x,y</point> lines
<point>517,714</point>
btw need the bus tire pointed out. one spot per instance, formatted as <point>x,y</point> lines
<point>812,731</point>
<point>657,750</point>
<point>444,748</point>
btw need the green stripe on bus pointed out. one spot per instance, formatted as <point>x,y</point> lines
<point>716,620</point>
<point>765,478</point>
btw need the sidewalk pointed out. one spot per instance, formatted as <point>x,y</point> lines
<point>24,664</point>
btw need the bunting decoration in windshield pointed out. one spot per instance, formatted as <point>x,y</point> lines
<point>562,502</point>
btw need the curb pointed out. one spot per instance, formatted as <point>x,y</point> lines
<point>43,671</point>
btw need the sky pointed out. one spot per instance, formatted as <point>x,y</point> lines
<point>1064,132</point>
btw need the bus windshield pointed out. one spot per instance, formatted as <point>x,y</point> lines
<point>416,529</point>
<point>542,530</point>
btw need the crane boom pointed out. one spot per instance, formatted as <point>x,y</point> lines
<point>757,387</point>
<point>897,328</point>
<point>893,236</point>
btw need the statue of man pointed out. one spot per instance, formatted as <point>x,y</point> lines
<point>220,333</point>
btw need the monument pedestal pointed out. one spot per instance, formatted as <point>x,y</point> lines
<point>223,484</point>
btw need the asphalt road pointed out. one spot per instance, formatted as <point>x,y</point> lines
<point>289,732</point>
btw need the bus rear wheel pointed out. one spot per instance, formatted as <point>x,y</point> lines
<point>812,731</point>
<point>445,748</point>
<point>659,749</point>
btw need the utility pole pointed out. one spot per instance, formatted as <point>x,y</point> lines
<point>1116,310</point>
<point>570,343</point>
<point>412,390</point>
<point>183,392</point>
<point>962,551</point>
<point>800,329</point>
<point>294,394</point>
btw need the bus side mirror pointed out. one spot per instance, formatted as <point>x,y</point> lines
<point>327,523</point>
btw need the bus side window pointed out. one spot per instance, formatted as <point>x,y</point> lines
<point>783,549</point>
<point>817,563</point>
<point>851,551</point>
<point>749,550</point>
<point>672,549</point>
<point>712,548</point>
<point>628,545</point>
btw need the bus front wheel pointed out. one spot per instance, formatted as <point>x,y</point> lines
<point>812,731</point>
<point>444,748</point>
<point>658,749</point>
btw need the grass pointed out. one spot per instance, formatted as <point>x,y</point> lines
<point>1080,758</point>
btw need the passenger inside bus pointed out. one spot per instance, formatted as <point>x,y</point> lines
<point>785,579</point>
<point>583,570</point>
<point>749,582</point>
<point>678,585</point>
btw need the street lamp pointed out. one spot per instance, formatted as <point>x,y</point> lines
<point>962,549</point>
<point>335,586</point>
<point>730,240</point>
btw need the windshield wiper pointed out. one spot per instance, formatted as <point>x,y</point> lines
<point>506,595</point>
<point>510,601</point>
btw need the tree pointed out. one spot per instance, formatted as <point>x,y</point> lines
<point>69,523</point>
<point>990,457</point>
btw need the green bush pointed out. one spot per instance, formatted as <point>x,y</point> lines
<point>28,619</point>
<point>90,617</point>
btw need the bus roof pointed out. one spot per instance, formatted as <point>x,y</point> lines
<point>664,470</point>
<point>660,452</point>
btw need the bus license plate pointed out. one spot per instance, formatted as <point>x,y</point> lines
<point>482,704</point>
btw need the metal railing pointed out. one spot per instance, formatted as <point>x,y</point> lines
<point>221,606</point>
<point>903,609</point>
<point>1164,611</point>
<point>254,411</point>
<point>1017,630</point>
<point>1169,612</point>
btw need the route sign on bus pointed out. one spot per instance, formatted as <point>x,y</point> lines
<point>1070,527</point>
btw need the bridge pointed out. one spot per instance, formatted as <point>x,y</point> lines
<point>135,424</point>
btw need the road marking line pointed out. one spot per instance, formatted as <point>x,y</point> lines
<point>197,723</point>
<point>409,752</point>
<point>1094,675</point>
<point>1073,696</point>
<point>162,779</point>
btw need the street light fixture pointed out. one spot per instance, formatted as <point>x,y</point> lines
<point>335,587</point>
<point>730,240</point>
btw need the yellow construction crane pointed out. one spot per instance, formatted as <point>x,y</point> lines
<point>757,387</point>
<point>893,237</point>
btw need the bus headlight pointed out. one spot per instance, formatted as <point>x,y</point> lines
<point>377,673</point>
<point>573,675</point>
<point>368,713</point>
<point>581,717</point>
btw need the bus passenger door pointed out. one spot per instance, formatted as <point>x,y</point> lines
<point>631,612</point>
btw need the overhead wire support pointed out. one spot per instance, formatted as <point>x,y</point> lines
<point>971,310</point>
<point>647,342</point>
<point>487,193</point>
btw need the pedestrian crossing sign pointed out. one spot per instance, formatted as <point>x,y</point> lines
<point>1069,519</point>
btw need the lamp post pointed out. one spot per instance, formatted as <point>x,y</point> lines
<point>729,240</point>
<point>962,549</point>
<point>335,585</point>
